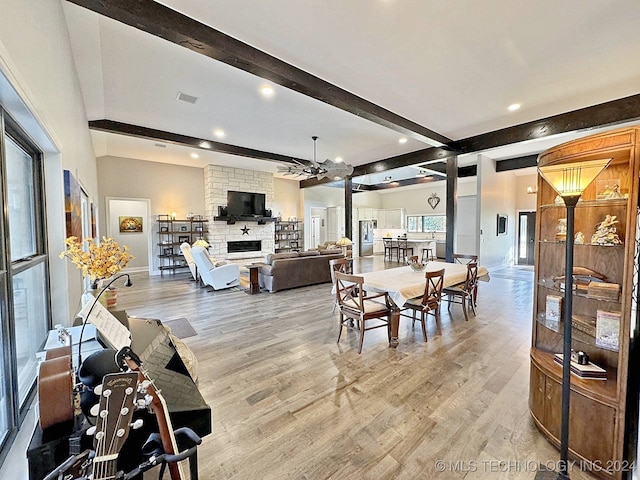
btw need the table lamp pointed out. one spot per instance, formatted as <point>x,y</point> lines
<point>344,242</point>
<point>569,180</point>
<point>201,242</point>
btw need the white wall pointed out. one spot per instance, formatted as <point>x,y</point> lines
<point>35,56</point>
<point>286,198</point>
<point>497,195</point>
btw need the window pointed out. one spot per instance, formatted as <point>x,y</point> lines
<point>24,284</point>
<point>426,223</point>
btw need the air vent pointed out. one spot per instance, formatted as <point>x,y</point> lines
<point>187,98</point>
<point>160,145</point>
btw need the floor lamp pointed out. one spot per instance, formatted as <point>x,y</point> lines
<point>569,180</point>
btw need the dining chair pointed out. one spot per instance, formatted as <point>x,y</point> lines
<point>344,265</point>
<point>353,304</point>
<point>464,259</point>
<point>429,302</point>
<point>464,293</point>
<point>389,247</point>
<point>412,259</point>
<point>429,252</point>
<point>404,248</point>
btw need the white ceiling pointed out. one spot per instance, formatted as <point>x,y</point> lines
<point>452,67</point>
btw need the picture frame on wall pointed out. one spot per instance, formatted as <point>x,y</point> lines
<point>130,224</point>
<point>183,228</point>
<point>183,238</point>
<point>164,229</point>
<point>167,251</point>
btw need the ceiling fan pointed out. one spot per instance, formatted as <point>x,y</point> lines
<point>326,169</point>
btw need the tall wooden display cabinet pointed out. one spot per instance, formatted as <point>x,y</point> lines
<point>604,300</point>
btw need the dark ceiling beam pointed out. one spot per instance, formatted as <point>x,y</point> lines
<point>517,163</point>
<point>163,22</point>
<point>608,113</point>
<point>404,160</point>
<point>120,128</point>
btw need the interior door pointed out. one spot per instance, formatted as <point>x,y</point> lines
<point>315,232</point>
<point>526,237</point>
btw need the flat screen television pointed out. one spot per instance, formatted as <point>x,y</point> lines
<point>245,204</point>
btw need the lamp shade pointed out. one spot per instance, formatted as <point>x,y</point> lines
<point>343,242</point>
<point>201,243</point>
<point>571,179</point>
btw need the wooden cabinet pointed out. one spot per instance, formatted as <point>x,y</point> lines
<point>171,233</point>
<point>597,407</point>
<point>288,236</point>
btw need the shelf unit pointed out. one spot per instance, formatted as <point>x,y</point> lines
<point>598,409</point>
<point>288,236</point>
<point>171,233</point>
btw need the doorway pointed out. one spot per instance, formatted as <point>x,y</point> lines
<point>526,237</point>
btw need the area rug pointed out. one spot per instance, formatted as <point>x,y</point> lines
<point>180,327</point>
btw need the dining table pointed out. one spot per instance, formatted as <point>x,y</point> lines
<point>403,283</point>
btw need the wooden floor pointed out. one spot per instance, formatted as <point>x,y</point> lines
<point>289,402</point>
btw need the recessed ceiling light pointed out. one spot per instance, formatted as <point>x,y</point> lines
<point>513,107</point>
<point>195,155</point>
<point>338,159</point>
<point>267,90</point>
<point>160,145</point>
<point>205,144</point>
<point>218,132</point>
<point>402,140</point>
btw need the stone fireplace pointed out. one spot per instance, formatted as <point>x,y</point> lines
<point>233,240</point>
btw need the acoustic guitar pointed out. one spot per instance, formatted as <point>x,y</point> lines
<point>113,419</point>
<point>178,470</point>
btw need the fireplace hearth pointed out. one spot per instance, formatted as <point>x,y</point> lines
<point>244,246</point>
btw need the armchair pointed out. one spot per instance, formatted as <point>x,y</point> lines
<point>185,248</point>
<point>224,276</point>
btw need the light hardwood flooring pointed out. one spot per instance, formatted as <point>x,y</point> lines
<point>288,402</point>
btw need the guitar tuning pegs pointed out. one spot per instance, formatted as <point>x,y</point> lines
<point>98,390</point>
<point>141,403</point>
<point>137,424</point>
<point>91,431</point>
<point>95,410</point>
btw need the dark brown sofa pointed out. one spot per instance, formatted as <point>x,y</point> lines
<point>281,271</point>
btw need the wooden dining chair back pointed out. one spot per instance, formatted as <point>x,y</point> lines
<point>344,265</point>
<point>413,259</point>
<point>389,247</point>
<point>354,305</point>
<point>464,259</point>
<point>404,249</point>
<point>464,293</point>
<point>429,302</point>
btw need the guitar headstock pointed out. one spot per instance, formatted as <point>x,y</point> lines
<point>114,417</point>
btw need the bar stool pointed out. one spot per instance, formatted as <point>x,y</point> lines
<point>403,248</point>
<point>389,247</point>
<point>428,253</point>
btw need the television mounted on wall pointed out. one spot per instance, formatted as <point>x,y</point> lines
<point>245,204</point>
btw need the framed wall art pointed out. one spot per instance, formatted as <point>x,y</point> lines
<point>130,224</point>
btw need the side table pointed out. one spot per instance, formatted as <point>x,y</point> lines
<point>254,284</point>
